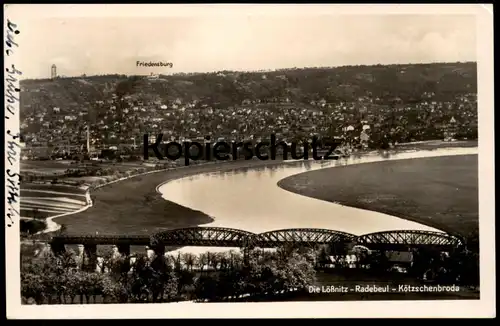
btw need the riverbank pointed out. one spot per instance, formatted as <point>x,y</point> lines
<point>441,192</point>
<point>134,206</point>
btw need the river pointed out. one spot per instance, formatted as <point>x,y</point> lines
<point>250,199</point>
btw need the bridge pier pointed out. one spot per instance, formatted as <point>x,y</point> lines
<point>246,255</point>
<point>57,248</point>
<point>149,253</point>
<point>159,250</point>
<point>124,249</point>
<point>90,257</point>
<point>80,256</point>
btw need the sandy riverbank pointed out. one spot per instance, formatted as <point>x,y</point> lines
<point>441,192</point>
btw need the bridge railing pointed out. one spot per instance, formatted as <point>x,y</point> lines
<point>155,245</point>
<point>227,237</point>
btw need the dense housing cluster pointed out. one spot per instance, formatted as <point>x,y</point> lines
<point>371,106</point>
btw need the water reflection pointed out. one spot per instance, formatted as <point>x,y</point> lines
<point>249,198</point>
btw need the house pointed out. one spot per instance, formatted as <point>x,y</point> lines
<point>450,130</point>
<point>348,128</point>
<point>364,138</point>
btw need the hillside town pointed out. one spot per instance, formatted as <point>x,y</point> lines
<point>115,114</point>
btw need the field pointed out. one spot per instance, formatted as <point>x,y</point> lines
<point>51,166</point>
<point>441,192</point>
<point>45,200</point>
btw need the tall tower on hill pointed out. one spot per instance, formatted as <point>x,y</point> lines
<point>53,71</point>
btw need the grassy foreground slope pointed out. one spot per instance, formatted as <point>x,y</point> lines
<point>441,191</point>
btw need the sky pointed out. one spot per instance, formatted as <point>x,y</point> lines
<point>107,45</point>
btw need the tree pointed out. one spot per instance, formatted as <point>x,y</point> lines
<point>57,277</point>
<point>362,256</point>
<point>50,271</point>
<point>464,267</point>
<point>338,250</point>
<point>323,256</point>
<point>285,270</point>
<point>378,261</point>
<point>206,287</point>
<point>33,287</point>
<point>224,261</point>
<point>298,272</point>
<point>215,259</point>
<point>114,290</point>
<point>163,283</point>
<point>185,281</point>
<point>235,260</point>
<point>138,282</point>
<point>203,260</point>
<point>189,260</point>
<point>93,283</point>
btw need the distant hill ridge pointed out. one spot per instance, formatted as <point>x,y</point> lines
<point>228,88</point>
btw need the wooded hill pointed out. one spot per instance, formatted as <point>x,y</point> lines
<point>226,88</point>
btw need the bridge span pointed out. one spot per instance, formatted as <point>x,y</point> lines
<point>397,240</point>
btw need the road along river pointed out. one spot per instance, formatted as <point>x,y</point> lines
<point>251,200</point>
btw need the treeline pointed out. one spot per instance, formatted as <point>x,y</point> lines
<point>70,278</point>
<point>340,84</point>
<point>50,279</point>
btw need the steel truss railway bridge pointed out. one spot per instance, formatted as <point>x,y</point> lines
<point>398,240</point>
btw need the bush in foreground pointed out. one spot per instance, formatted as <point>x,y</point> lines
<point>48,278</point>
<point>252,273</point>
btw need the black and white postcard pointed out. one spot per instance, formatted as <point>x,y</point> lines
<point>249,161</point>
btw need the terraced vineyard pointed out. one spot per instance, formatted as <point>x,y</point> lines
<point>46,200</point>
